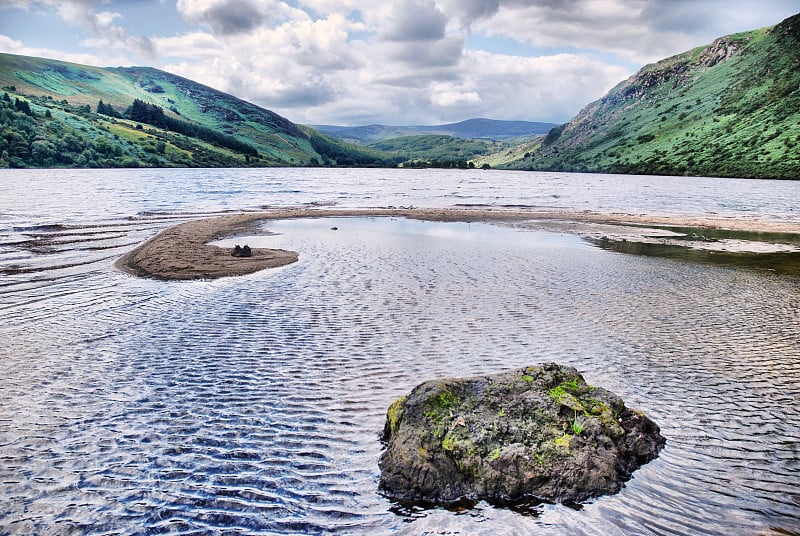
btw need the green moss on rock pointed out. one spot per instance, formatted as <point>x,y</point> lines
<point>513,437</point>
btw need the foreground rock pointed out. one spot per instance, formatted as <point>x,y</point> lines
<point>538,433</point>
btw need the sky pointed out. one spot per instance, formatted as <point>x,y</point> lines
<point>396,62</point>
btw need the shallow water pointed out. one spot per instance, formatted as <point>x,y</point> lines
<point>253,404</point>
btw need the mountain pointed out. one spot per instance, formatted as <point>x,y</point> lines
<point>488,129</point>
<point>54,113</point>
<point>731,108</point>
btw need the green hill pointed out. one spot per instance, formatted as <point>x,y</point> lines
<point>435,150</point>
<point>471,129</point>
<point>58,114</point>
<point>731,108</point>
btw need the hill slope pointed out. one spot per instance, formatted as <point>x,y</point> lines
<point>433,150</point>
<point>195,125</point>
<point>728,109</point>
<point>488,129</point>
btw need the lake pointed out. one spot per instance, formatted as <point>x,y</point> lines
<point>253,405</point>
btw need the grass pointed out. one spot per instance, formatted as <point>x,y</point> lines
<point>70,93</point>
<point>577,426</point>
<point>447,399</point>
<point>433,149</point>
<point>558,392</point>
<point>684,116</point>
<point>439,410</point>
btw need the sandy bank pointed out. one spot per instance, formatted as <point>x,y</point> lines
<point>183,252</point>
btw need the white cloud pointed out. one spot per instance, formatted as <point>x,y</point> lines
<point>548,88</point>
<point>230,17</point>
<point>104,29</point>
<point>406,61</point>
<point>447,95</point>
<point>637,31</point>
<point>293,65</point>
<point>13,46</point>
<point>414,20</point>
<point>196,46</point>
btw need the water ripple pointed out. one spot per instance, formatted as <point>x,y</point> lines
<point>253,405</point>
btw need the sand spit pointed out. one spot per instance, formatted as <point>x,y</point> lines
<point>183,252</point>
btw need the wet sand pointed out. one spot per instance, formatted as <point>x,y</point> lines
<point>184,252</point>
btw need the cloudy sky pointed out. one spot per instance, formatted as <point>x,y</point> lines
<point>399,62</point>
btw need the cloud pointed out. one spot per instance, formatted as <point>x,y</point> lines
<point>230,17</point>
<point>195,46</point>
<point>104,28</point>
<point>406,61</point>
<point>398,63</point>
<point>445,95</point>
<point>547,88</point>
<point>442,53</point>
<point>310,92</point>
<point>636,31</point>
<point>13,46</point>
<point>298,64</point>
<point>412,20</point>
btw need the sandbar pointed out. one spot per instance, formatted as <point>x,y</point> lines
<point>184,252</point>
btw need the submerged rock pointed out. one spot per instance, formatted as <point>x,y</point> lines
<point>534,434</point>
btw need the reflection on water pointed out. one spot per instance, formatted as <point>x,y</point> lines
<point>253,404</point>
<point>774,252</point>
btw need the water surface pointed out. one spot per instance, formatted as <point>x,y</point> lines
<point>253,405</point>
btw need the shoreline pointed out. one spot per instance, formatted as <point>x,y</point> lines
<point>183,252</point>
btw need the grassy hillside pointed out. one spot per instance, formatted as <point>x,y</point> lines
<point>728,109</point>
<point>435,150</point>
<point>731,108</point>
<point>512,150</point>
<point>471,129</point>
<point>199,126</point>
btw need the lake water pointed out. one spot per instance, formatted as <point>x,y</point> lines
<point>253,405</point>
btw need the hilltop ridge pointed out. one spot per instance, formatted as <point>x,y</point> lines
<point>476,128</point>
<point>731,108</point>
<point>77,114</point>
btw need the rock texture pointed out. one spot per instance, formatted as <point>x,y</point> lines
<point>538,433</point>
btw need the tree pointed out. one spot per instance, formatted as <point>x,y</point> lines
<point>23,107</point>
<point>106,109</point>
<point>43,152</point>
<point>15,143</point>
<point>142,112</point>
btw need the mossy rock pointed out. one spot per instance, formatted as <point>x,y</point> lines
<point>533,434</point>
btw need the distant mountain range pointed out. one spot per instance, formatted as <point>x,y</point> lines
<point>731,108</point>
<point>486,129</point>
